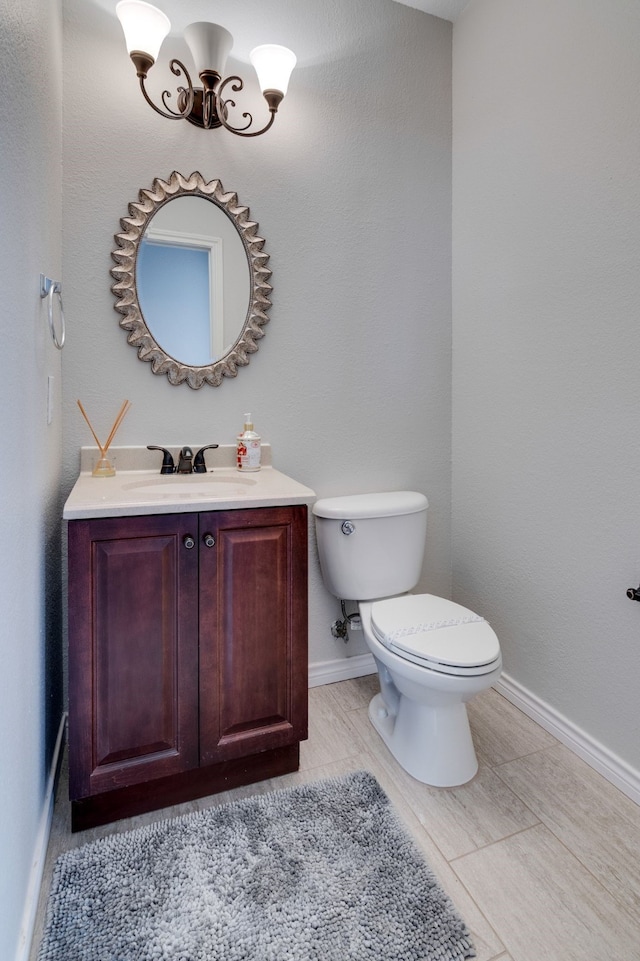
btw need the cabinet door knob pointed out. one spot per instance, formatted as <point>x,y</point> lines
<point>209,540</point>
<point>188,541</point>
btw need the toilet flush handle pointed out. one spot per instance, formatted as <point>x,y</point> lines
<point>634,593</point>
<point>348,527</point>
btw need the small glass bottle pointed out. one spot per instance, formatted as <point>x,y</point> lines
<point>248,451</point>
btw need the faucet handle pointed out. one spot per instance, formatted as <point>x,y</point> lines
<point>168,467</point>
<point>199,466</point>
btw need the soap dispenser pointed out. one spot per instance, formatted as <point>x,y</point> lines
<point>248,452</point>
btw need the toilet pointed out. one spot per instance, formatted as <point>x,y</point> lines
<point>432,655</point>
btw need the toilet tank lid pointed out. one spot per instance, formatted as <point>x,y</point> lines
<point>383,504</point>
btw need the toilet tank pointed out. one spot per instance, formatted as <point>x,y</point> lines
<point>371,545</point>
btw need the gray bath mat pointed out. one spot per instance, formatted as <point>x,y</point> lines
<point>320,872</point>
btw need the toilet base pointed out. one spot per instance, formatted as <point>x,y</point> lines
<point>431,742</point>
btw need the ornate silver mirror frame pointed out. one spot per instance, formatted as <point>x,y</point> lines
<point>126,294</point>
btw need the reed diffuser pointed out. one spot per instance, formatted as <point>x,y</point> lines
<point>104,467</point>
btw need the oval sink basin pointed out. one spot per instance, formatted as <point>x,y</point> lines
<point>194,485</point>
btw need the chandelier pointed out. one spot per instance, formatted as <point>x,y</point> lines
<point>145,27</point>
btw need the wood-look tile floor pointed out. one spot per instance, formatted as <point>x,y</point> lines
<point>540,854</point>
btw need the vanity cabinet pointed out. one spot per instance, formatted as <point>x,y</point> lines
<point>187,656</point>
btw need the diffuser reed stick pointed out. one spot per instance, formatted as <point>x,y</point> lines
<point>84,414</point>
<point>121,415</point>
<point>104,467</point>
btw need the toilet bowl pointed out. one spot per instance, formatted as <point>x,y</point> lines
<point>420,712</point>
<point>432,655</point>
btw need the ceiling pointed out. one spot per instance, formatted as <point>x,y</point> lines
<point>447,9</point>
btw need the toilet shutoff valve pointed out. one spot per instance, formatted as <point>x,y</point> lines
<point>341,628</point>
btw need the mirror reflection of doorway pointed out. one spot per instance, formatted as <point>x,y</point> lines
<point>180,283</point>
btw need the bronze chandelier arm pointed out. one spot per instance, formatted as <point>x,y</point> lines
<point>221,106</point>
<point>177,68</point>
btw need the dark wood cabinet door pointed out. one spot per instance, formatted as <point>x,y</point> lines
<point>253,631</point>
<point>133,650</point>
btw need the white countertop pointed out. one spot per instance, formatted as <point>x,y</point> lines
<point>133,492</point>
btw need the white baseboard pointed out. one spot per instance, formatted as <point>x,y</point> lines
<point>340,669</point>
<point>40,851</point>
<point>596,755</point>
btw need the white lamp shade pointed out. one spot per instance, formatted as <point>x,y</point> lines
<point>209,44</point>
<point>145,27</point>
<point>273,64</point>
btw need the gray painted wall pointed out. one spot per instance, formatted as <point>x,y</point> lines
<point>30,635</point>
<point>546,383</point>
<point>352,192</point>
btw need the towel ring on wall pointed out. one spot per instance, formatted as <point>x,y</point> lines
<point>48,288</point>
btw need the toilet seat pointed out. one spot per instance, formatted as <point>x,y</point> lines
<point>436,633</point>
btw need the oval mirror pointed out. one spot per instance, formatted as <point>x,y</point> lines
<point>191,280</point>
